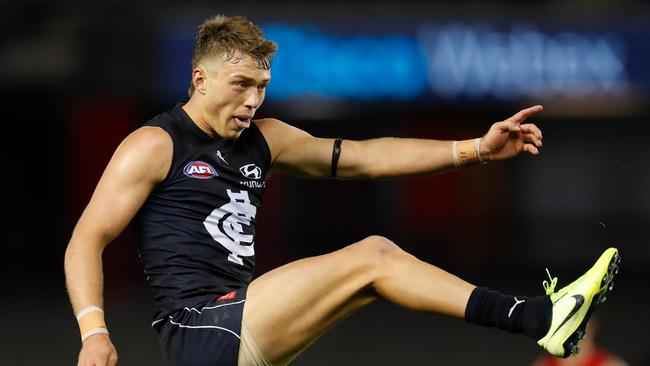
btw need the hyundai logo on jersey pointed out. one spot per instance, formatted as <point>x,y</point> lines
<point>251,171</point>
<point>200,170</point>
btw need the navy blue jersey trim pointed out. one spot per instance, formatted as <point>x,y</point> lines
<point>266,149</point>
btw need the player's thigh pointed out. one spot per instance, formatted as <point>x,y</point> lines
<point>289,307</point>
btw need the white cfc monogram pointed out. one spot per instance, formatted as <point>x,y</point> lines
<point>225,226</point>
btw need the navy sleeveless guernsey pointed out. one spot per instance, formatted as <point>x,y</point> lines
<point>196,231</point>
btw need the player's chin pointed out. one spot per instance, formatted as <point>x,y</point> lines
<point>231,134</point>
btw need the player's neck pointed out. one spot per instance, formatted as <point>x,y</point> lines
<point>200,119</point>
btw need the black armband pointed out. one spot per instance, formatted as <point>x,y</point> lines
<point>336,153</point>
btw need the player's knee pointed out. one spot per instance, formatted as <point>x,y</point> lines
<point>375,259</point>
<point>377,250</point>
<point>380,244</point>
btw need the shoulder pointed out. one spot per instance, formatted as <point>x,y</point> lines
<point>268,125</point>
<point>271,129</point>
<point>148,140</point>
<point>148,151</point>
<point>278,134</point>
<point>275,126</point>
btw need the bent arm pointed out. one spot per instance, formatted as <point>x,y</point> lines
<point>297,153</point>
<point>141,161</point>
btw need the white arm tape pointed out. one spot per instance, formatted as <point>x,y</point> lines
<point>92,332</point>
<point>477,145</point>
<point>87,310</point>
<point>454,154</point>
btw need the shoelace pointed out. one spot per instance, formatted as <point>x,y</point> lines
<point>549,287</point>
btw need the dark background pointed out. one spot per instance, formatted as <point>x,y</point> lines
<point>77,77</point>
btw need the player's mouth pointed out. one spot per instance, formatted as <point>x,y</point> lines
<point>242,121</point>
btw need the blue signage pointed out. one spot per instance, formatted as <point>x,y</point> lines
<point>447,61</point>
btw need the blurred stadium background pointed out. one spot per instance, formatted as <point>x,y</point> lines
<point>78,76</point>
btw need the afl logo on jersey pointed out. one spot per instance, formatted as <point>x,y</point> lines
<point>200,170</point>
<point>251,171</point>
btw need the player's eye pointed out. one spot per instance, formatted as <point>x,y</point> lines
<point>240,84</point>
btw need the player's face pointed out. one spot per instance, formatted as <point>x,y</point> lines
<point>234,90</point>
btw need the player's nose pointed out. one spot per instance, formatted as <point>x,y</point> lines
<point>252,100</point>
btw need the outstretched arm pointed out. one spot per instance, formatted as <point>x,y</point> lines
<point>141,161</point>
<point>297,153</point>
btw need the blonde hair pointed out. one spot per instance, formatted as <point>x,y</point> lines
<point>231,37</point>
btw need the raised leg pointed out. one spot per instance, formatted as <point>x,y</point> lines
<point>291,306</point>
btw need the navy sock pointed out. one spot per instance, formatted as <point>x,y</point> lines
<point>518,314</point>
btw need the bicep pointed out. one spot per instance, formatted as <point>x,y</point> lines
<point>313,157</point>
<point>297,153</point>
<point>138,164</point>
<point>305,156</point>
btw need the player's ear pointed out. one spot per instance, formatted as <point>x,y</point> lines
<point>198,79</point>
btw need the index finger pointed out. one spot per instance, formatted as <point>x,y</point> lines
<point>525,113</point>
